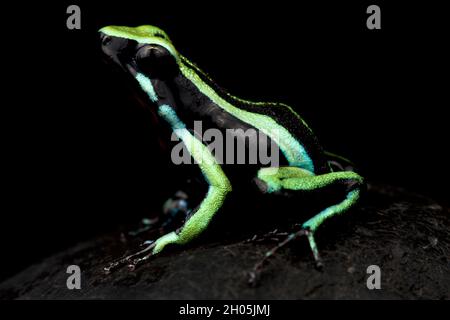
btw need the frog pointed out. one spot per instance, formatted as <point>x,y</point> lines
<point>180,93</point>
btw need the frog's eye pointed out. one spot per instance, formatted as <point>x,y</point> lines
<point>156,61</point>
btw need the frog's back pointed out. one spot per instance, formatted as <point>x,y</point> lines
<point>281,113</point>
<point>288,118</point>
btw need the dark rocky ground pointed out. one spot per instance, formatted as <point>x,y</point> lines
<point>407,235</point>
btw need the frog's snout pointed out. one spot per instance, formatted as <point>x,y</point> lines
<point>105,39</point>
<point>114,47</point>
<point>106,42</point>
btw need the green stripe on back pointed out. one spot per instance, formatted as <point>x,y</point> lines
<point>294,152</point>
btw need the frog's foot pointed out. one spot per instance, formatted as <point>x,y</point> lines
<point>134,259</point>
<point>257,268</point>
<point>151,248</point>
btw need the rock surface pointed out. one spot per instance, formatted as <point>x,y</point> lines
<point>406,235</point>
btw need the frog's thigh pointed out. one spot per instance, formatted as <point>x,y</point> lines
<point>276,177</point>
<point>298,179</point>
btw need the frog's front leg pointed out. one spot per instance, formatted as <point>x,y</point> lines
<point>293,178</point>
<point>193,227</point>
<point>198,221</point>
<point>195,224</point>
<point>219,185</point>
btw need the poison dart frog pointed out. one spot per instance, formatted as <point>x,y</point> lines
<point>180,93</point>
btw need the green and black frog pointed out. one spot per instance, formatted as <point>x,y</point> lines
<point>180,93</point>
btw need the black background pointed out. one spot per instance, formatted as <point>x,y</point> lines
<point>78,150</point>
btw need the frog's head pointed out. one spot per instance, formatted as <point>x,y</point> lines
<point>145,49</point>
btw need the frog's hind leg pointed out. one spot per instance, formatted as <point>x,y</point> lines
<point>313,224</point>
<point>292,178</point>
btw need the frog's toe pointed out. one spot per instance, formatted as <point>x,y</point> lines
<point>162,242</point>
<point>132,260</point>
<point>304,231</point>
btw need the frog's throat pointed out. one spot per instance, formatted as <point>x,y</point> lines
<point>201,154</point>
<point>146,85</point>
